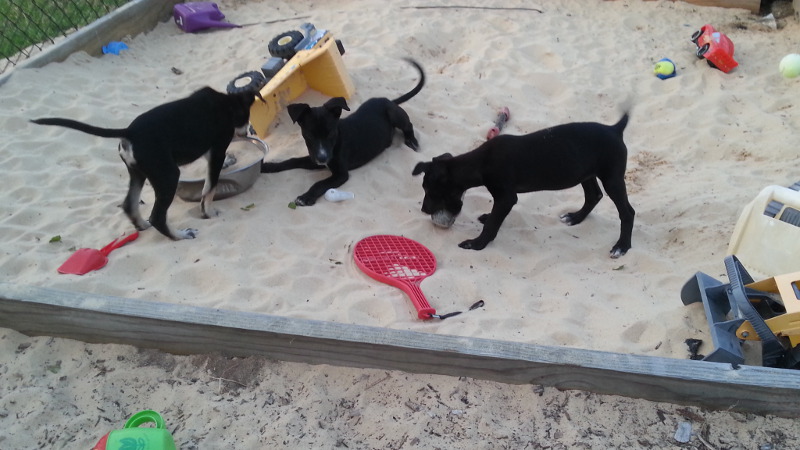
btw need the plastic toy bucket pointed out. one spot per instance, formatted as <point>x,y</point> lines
<point>132,436</point>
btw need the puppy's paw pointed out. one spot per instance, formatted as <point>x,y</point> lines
<point>482,218</point>
<point>230,160</point>
<point>207,214</point>
<point>142,225</point>
<point>412,144</point>
<point>472,244</point>
<point>305,200</point>
<point>570,219</point>
<point>617,251</point>
<point>187,233</point>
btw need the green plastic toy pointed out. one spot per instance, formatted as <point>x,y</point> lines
<point>134,437</point>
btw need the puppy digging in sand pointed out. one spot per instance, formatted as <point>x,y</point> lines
<point>345,144</point>
<point>157,142</point>
<point>551,159</point>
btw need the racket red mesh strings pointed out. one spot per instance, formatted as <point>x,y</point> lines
<point>400,262</point>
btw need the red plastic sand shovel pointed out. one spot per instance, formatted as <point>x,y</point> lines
<point>88,259</point>
<point>400,262</point>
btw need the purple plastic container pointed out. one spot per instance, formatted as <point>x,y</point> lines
<point>195,16</point>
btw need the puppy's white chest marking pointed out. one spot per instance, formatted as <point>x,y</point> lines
<point>126,152</point>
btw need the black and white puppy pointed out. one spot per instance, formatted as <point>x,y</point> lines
<point>157,142</point>
<point>345,144</point>
<point>552,159</point>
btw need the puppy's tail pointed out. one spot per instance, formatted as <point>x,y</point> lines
<point>619,127</point>
<point>86,128</point>
<point>405,97</point>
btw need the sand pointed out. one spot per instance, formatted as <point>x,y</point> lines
<point>58,393</point>
<point>701,145</point>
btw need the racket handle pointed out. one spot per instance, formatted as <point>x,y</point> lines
<point>424,310</point>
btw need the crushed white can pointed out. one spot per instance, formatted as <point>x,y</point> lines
<point>335,195</point>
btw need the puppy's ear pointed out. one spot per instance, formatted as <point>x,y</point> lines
<point>297,110</point>
<point>421,167</point>
<point>336,105</point>
<point>442,156</point>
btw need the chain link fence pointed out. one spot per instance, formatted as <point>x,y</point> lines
<point>28,26</point>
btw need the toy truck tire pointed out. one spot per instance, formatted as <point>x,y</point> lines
<point>697,35</point>
<point>254,82</point>
<point>702,51</point>
<point>282,45</point>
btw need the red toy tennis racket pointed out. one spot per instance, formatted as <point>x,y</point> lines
<point>400,262</point>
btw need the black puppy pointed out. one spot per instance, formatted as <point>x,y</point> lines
<point>168,136</point>
<point>349,143</point>
<point>552,159</point>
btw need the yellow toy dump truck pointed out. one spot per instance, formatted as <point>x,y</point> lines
<point>299,60</point>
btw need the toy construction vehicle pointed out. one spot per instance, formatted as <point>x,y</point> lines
<point>766,311</point>
<point>767,238</point>
<point>299,60</point>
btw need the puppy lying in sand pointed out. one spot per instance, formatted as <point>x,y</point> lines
<point>342,145</point>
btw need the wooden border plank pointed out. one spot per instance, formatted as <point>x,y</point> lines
<point>136,16</point>
<point>751,5</point>
<point>182,329</point>
<point>754,6</point>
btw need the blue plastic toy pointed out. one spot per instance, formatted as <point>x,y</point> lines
<point>114,47</point>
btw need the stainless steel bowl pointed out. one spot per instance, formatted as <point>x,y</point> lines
<point>235,179</point>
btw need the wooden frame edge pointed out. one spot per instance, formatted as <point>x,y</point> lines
<point>183,329</point>
<point>136,16</point>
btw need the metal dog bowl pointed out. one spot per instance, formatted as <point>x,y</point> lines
<point>244,155</point>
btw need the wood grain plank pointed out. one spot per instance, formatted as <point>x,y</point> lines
<point>136,16</point>
<point>750,5</point>
<point>191,330</point>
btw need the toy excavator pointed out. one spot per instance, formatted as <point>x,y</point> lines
<point>767,311</point>
<point>767,238</point>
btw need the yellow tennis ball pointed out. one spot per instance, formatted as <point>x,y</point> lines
<point>790,65</point>
<point>664,68</point>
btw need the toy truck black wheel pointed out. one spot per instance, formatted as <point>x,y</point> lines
<point>702,51</point>
<point>696,36</point>
<point>247,82</point>
<point>282,45</point>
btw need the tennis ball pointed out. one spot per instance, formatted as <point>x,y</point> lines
<point>790,65</point>
<point>664,68</point>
